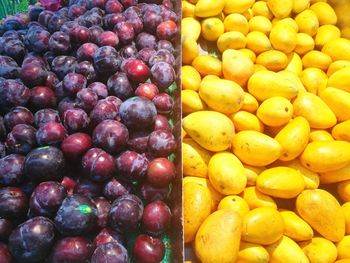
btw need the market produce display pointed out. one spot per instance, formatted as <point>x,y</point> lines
<point>86,132</point>
<point>266,131</point>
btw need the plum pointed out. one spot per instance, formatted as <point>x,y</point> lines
<point>164,103</point>
<point>106,60</point>
<point>165,44</point>
<point>18,115</point>
<point>147,90</point>
<point>76,145</point>
<point>14,48</point>
<point>151,20</point>
<point>113,6</point>
<point>138,141</point>
<point>108,38</point>
<point>51,80</point>
<point>104,110</point>
<point>120,86</point>
<point>79,35</point>
<point>131,166</point>
<point>148,249</point>
<point>8,67</point>
<point>146,40</point>
<point>110,20</point>
<point>125,32</point>
<point>62,65</point>
<point>75,120</point>
<point>13,203</point>
<point>88,188</point>
<point>86,52</point>
<point>44,17</point>
<point>50,134</point>
<point>156,218</point>
<point>76,10</point>
<point>5,255</point>
<point>21,140</point>
<point>100,89</point>
<point>102,209</point>
<point>113,189</point>
<point>73,83</point>
<point>37,39</point>
<point>86,99</point>
<point>33,74</point>
<point>107,235</point>
<point>145,54</point>
<point>86,69</point>
<point>42,97</point>
<point>94,32</point>
<point>162,55</point>
<point>162,123</point>
<point>5,228</point>
<point>162,74</point>
<point>160,172</point>
<point>128,51</point>
<point>112,252</point>
<point>11,169</point>
<point>13,93</point>
<point>161,143</point>
<point>44,116</point>
<point>59,43</point>
<point>57,20</point>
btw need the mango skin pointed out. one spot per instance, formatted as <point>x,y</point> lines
<point>319,249</point>
<point>295,227</point>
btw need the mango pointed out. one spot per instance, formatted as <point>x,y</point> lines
<point>319,249</point>
<point>295,227</point>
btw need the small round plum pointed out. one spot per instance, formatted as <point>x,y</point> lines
<point>21,140</point>
<point>148,249</point>
<point>76,145</point>
<point>147,90</point>
<point>156,218</point>
<point>51,134</point>
<point>160,172</point>
<point>110,252</point>
<point>13,203</point>
<point>75,120</point>
<point>11,169</point>
<point>103,206</point>
<point>131,166</point>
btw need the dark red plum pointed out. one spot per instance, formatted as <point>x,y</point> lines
<point>107,235</point>
<point>75,120</point>
<point>42,97</point>
<point>151,20</point>
<point>120,86</point>
<point>69,184</point>
<point>136,22</point>
<point>33,74</point>
<point>108,38</point>
<point>112,252</point>
<point>86,52</point>
<point>99,3</point>
<point>45,164</point>
<point>71,250</point>
<point>110,20</point>
<point>46,198</point>
<point>148,249</point>
<point>62,65</point>
<point>94,32</point>
<point>138,141</point>
<point>66,104</point>
<point>151,193</point>
<point>147,90</point>
<point>86,69</point>
<point>125,32</point>
<point>156,218</point>
<point>76,11</point>
<point>162,55</point>
<point>73,82</point>
<point>102,209</point>
<point>131,166</point>
<point>13,93</point>
<point>160,172</point>
<point>167,30</point>
<point>86,99</point>
<point>14,48</point>
<point>138,113</point>
<point>165,44</point>
<point>144,40</point>
<point>126,213</point>
<point>100,89</point>
<point>113,189</point>
<point>128,3</point>
<point>56,21</point>
<point>32,240</point>
<point>59,43</point>
<point>11,169</point>
<point>79,35</point>
<point>104,110</point>
<point>132,12</point>
<point>5,255</point>
<point>86,187</point>
<point>34,59</point>
<point>13,203</point>
<point>51,5</point>
<point>51,80</point>
<point>44,17</point>
<point>44,116</point>
<point>161,143</point>
<point>8,67</point>
<point>106,60</point>
<point>21,140</point>
<point>90,19</point>
<point>111,136</point>
<point>98,165</point>
<point>76,145</point>
<point>136,70</point>
<point>5,229</point>
<point>18,115</point>
<point>76,216</point>
<point>145,54</point>
<point>164,103</point>
<point>162,123</point>
<point>162,74</point>
<point>37,39</point>
<point>51,134</point>
<point>66,27</point>
<point>113,6</point>
<point>167,14</point>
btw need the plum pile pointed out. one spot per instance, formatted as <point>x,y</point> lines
<point>85,136</point>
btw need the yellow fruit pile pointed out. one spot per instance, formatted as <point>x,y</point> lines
<point>266,130</point>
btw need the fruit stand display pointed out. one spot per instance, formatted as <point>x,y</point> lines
<point>90,132</point>
<point>266,130</point>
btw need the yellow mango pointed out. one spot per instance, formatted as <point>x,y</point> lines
<point>281,182</point>
<point>190,77</point>
<point>231,40</point>
<point>255,198</point>
<point>314,80</point>
<point>207,8</point>
<point>197,207</point>
<point>325,34</point>
<point>222,95</point>
<point>258,42</point>
<point>286,250</point>
<point>273,60</point>
<point>343,190</point>
<point>341,131</point>
<point>343,247</point>
<point>326,156</point>
<point>249,53</point>
<point>295,64</point>
<point>260,24</point>
<point>212,28</point>
<point>316,59</point>
<point>320,135</point>
<point>255,148</point>
<point>190,50</point>
<point>339,102</point>
<point>337,65</point>
<point>292,77</point>
<point>293,138</point>
<point>263,226</point>
<point>234,203</point>
<point>314,110</point>
<point>304,44</point>
<point>300,5</point>
<point>346,211</point>
<point>215,137</point>
<point>250,103</point>
<point>338,49</point>
<point>191,102</point>
<point>319,249</point>
<point>322,211</point>
<point>340,80</point>
<point>187,9</point>
<point>244,121</point>
<point>237,6</point>
<point>218,238</point>
<point>260,8</point>
<point>286,22</point>
<point>236,66</point>
<point>275,111</point>
<point>295,227</point>
<point>236,22</point>
<point>266,84</point>
<point>252,253</point>
<point>307,22</point>
<point>342,261</point>
<point>336,176</point>
<point>226,173</point>
<point>283,38</point>
<point>207,65</point>
<point>190,27</point>
<point>325,13</point>
<point>280,8</point>
<point>195,159</point>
